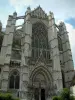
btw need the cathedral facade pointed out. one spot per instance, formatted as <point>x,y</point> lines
<point>35,59</point>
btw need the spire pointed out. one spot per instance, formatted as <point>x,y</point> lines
<point>39,6</point>
<point>15,13</point>
<point>51,14</point>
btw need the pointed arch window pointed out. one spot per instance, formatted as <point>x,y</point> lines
<point>39,40</point>
<point>14,80</point>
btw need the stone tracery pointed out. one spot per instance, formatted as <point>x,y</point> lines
<point>40,40</point>
<point>14,80</point>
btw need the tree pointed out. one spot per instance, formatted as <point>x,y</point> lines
<point>64,95</point>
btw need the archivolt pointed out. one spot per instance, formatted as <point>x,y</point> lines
<point>42,70</point>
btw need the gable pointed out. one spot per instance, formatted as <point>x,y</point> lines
<point>39,13</point>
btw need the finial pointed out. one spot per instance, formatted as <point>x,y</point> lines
<point>28,10</point>
<point>39,5</point>
<point>51,14</point>
<point>15,13</point>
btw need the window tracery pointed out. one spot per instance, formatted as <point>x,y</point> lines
<point>16,46</point>
<point>16,54</point>
<point>40,40</point>
<point>17,39</point>
<point>16,43</point>
<point>14,80</point>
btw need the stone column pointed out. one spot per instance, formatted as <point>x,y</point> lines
<point>67,55</point>
<point>53,42</point>
<point>7,49</point>
<point>26,53</point>
<point>4,44</point>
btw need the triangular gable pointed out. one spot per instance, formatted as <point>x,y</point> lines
<point>41,60</point>
<point>39,13</point>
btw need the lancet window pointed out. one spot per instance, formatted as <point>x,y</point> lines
<point>14,80</point>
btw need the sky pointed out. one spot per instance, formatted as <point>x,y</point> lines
<point>64,10</point>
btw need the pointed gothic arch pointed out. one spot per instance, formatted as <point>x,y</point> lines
<point>14,80</point>
<point>41,82</point>
<point>41,71</point>
<point>40,40</point>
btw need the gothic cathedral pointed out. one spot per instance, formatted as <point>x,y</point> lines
<point>35,59</point>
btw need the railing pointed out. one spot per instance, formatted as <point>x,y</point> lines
<point>35,54</point>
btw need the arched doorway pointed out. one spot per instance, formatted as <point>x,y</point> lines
<point>41,81</point>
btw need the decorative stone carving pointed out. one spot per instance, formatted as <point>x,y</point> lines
<point>39,13</point>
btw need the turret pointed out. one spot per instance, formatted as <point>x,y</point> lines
<point>67,55</point>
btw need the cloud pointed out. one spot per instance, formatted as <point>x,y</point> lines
<point>71,34</point>
<point>63,9</point>
<point>20,4</point>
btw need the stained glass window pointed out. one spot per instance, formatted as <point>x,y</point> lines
<point>39,40</point>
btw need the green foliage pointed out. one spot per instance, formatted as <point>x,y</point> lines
<point>72,98</point>
<point>64,95</point>
<point>56,98</point>
<point>17,99</point>
<point>7,96</point>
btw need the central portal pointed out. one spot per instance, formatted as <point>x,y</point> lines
<point>40,81</point>
<point>39,94</point>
